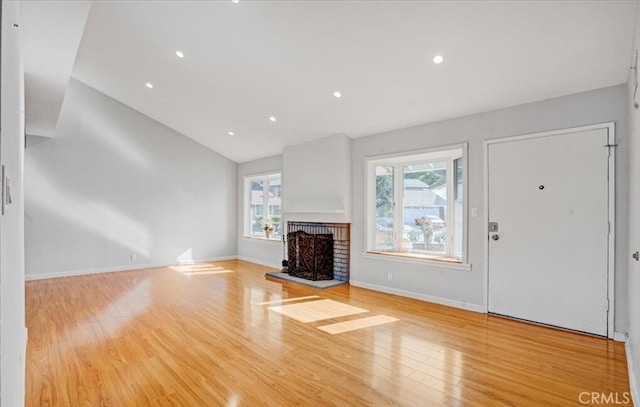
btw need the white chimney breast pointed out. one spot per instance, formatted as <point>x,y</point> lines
<point>316,180</point>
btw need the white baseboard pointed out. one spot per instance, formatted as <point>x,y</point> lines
<point>120,268</point>
<point>25,339</point>
<point>619,336</point>
<point>419,296</point>
<point>260,262</point>
<point>23,364</point>
<point>633,379</point>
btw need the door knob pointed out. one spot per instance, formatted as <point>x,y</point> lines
<point>495,237</point>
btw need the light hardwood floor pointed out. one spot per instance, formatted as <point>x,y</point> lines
<point>221,334</point>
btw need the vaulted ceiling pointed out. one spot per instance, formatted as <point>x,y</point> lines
<point>244,62</point>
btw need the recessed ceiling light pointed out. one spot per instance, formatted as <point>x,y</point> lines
<point>235,1</point>
<point>438,59</point>
<point>272,118</point>
<point>337,94</point>
<point>149,85</point>
<point>179,54</point>
<point>231,133</point>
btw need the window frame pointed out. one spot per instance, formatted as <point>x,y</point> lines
<point>398,160</point>
<point>247,221</point>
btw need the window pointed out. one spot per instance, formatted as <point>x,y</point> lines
<point>263,203</point>
<point>415,204</point>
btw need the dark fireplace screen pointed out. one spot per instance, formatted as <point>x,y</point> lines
<point>310,255</point>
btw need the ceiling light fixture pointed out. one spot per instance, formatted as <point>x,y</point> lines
<point>272,118</point>
<point>149,85</point>
<point>179,54</point>
<point>231,133</point>
<point>438,59</point>
<point>337,94</point>
<point>235,1</point>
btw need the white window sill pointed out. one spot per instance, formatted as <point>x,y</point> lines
<point>417,259</point>
<point>260,239</point>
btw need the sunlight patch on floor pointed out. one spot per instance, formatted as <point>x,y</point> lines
<point>200,269</point>
<point>356,324</point>
<point>204,272</point>
<point>312,311</point>
<point>287,300</point>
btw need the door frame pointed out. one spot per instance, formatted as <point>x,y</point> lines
<point>610,126</point>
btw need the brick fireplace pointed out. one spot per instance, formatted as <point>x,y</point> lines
<point>340,236</point>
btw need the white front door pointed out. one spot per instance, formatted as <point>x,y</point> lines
<point>548,259</point>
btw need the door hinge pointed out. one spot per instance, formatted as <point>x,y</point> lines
<point>607,305</point>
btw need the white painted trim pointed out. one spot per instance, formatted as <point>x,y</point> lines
<point>620,336</point>
<point>611,267</point>
<point>246,196</point>
<point>119,268</point>
<point>465,204</point>
<point>418,296</point>
<point>23,362</point>
<point>260,262</point>
<point>485,227</point>
<point>429,150</point>
<point>369,216</point>
<point>341,210</point>
<point>418,261</point>
<point>263,174</point>
<point>262,240</point>
<point>633,379</point>
<point>399,158</point>
<point>610,126</point>
<point>606,125</point>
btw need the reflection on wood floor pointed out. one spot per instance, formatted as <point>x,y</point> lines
<point>220,334</point>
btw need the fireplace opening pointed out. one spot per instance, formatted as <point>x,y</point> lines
<point>310,255</point>
<point>317,251</point>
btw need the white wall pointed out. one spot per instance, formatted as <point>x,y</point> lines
<point>261,251</point>
<point>317,177</point>
<point>633,344</point>
<point>113,183</point>
<point>466,288</point>
<point>12,316</point>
